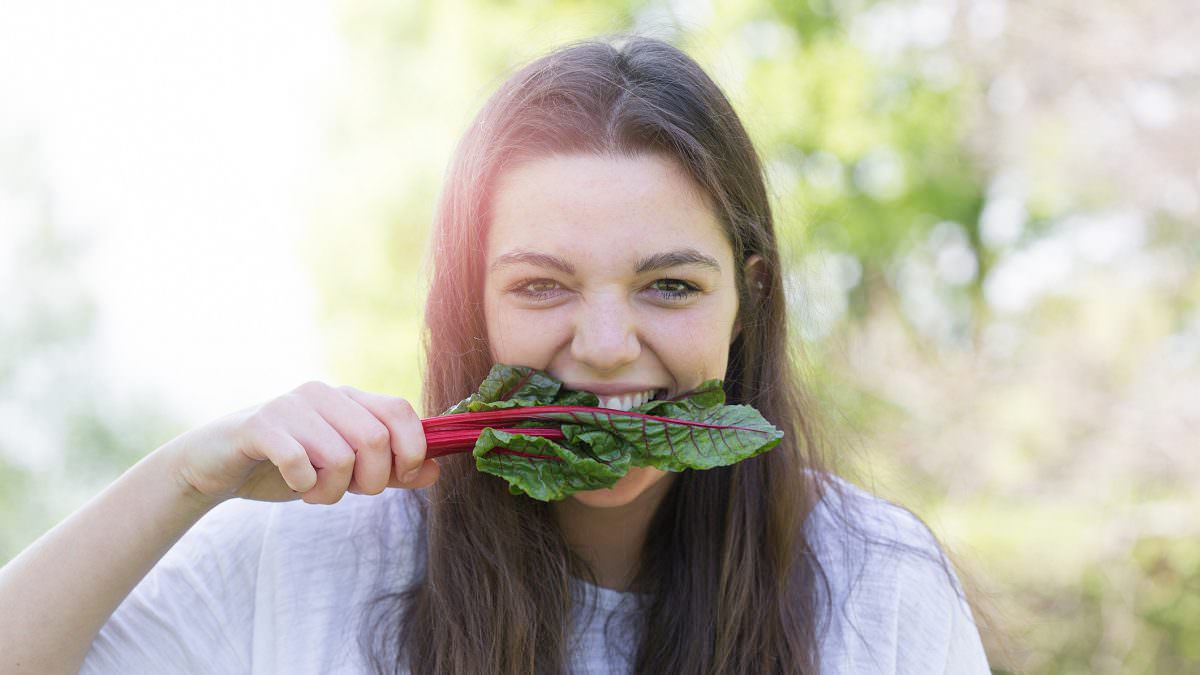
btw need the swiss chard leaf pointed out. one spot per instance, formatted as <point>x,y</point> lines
<point>693,438</point>
<point>695,430</point>
<point>519,386</point>
<point>544,479</point>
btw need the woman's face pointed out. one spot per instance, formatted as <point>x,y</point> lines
<point>613,275</point>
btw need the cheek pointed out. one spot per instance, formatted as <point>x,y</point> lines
<point>517,337</point>
<point>693,343</point>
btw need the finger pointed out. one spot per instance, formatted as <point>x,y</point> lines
<point>287,454</point>
<point>328,453</point>
<point>428,474</point>
<point>369,437</point>
<point>404,426</point>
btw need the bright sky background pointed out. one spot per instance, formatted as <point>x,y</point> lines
<point>183,139</point>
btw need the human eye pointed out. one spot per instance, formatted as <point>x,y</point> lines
<point>675,290</point>
<point>536,290</point>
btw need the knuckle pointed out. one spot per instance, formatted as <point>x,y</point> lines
<point>311,388</point>
<point>295,458</point>
<point>376,437</point>
<point>278,408</point>
<point>402,409</point>
<point>255,425</point>
<point>343,461</point>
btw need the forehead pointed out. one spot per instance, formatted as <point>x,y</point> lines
<point>595,209</point>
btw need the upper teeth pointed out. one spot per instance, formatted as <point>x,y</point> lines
<point>626,401</point>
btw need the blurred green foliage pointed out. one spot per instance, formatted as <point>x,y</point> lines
<point>67,433</point>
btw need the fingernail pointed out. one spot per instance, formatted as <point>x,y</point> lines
<point>411,475</point>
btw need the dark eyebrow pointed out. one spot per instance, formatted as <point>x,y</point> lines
<point>677,258</point>
<point>521,255</point>
<point>658,261</point>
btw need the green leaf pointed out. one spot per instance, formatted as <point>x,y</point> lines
<point>693,437</point>
<point>544,479</point>
<point>519,386</point>
<point>709,394</point>
<point>695,430</point>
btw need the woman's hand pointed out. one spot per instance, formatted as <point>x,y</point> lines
<point>316,442</point>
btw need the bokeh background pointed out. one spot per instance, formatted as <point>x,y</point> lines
<point>989,208</point>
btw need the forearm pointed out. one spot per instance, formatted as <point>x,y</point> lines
<point>58,592</point>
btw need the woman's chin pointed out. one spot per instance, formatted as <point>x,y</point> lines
<point>638,481</point>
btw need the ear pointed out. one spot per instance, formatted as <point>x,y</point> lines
<point>754,273</point>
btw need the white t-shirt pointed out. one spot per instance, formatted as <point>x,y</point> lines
<point>265,588</point>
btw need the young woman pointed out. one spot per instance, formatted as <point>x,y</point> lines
<point>605,220</point>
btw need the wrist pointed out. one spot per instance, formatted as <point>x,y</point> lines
<point>169,456</point>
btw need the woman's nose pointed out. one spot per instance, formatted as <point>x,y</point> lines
<point>606,336</point>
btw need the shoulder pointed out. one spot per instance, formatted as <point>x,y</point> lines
<point>848,522</point>
<point>887,593</point>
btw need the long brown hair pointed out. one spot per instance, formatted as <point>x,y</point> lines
<point>728,579</point>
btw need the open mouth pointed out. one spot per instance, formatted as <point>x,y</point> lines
<point>627,402</point>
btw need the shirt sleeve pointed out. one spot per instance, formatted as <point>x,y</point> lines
<point>935,632</point>
<point>894,602</point>
<point>194,611</point>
